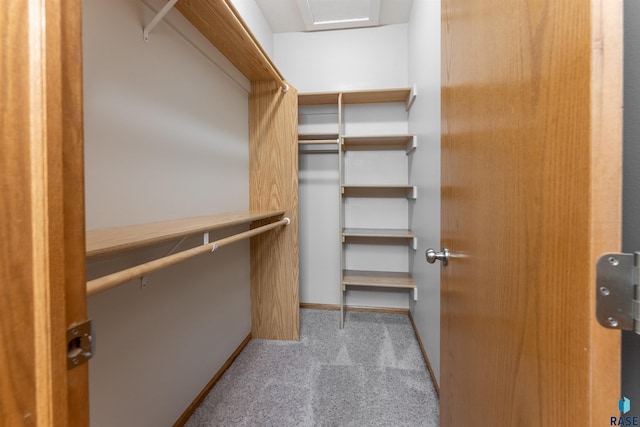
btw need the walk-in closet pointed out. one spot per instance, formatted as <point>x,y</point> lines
<point>202,124</point>
<point>311,212</point>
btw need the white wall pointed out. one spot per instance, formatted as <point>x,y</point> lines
<point>365,58</point>
<point>369,58</point>
<point>166,136</point>
<point>424,120</point>
<point>255,20</point>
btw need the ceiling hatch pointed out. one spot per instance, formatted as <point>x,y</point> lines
<point>335,14</point>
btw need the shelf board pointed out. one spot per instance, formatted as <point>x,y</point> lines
<point>408,191</point>
<point>382,279</point>
<point>221,24</point>
<point>318,98</point>
<point>356,97</point>
<point>318,149</point>
<point>114,240</point>
<point>317,138</point>
<point>379,142</point>
<point>387,233</point>
<point>376,96</point>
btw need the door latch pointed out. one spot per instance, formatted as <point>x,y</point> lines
<point>617,291</point>
<point>80,344</point>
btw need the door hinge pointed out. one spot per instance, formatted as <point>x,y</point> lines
<point>80,344</point>
<point>617,291</point>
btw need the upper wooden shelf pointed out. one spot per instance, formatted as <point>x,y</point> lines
<point>114,240</point>
<point>222,25</point>
<point>405,95</point>
<point>318,98</point>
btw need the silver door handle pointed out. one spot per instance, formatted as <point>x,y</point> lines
<point>433,256</point>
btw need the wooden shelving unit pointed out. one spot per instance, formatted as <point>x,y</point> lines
<point>382,142</point>
<point>114,240</point>
<point>273,158</point>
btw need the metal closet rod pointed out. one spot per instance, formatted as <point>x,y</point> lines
<point>106,282</point>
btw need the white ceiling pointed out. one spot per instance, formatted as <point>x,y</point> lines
<point>284,15</point>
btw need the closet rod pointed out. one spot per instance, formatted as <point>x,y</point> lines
<point>106,282</point>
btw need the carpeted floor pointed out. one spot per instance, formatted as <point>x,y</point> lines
<point>371,373</point>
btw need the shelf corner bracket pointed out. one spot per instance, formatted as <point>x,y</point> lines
<point>165,9</point>
<point>412,97</point>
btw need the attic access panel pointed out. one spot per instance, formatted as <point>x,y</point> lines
<point>336,14</point>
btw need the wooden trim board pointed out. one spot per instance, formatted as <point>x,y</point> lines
<point>205,391</point>
<point>424,355</point>
<point>336,307</point>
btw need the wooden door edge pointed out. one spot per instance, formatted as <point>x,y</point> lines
<point>606,197</point>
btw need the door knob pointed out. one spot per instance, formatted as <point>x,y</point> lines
<point>433,256</point>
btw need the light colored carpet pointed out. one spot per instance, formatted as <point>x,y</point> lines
<point>371,373</point>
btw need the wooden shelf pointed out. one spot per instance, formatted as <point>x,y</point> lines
<point>380,279</point>
<point>114,240</point>
<point>356,97</point>
<point>389,233</point>
<point>380,142</point>
<point>222,25</point>
<point>318,98</point>
<point>376,96</point>
<point>408,191</point>
<point>315,138</point>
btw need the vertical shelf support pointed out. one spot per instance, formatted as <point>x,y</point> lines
<point>157,18</point>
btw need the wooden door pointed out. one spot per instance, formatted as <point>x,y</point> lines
<point>42,280</point>
<point>531,142</point>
